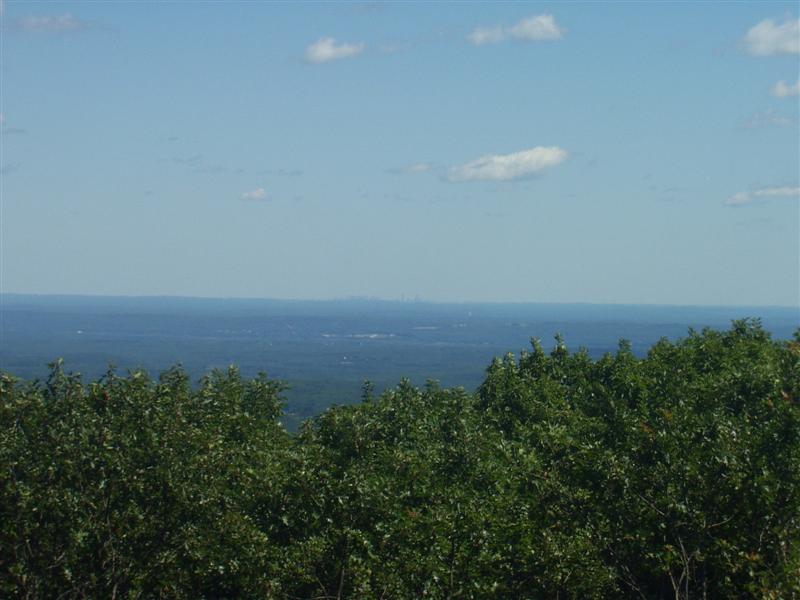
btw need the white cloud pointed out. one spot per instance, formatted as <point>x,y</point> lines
<point>742,198</point>
<point>784,191</point>
<point>256,194</point>
<point>52,23</point>
<point>412,169</point>
<point>768,38</point>
<point>768,118</point>
<point>539,28</point>
<point>487,35</point>
<point>784,90</point>
<point>738,199</point>
<point>505,167</point>
<point>531,29</point>
<point>326,49</point>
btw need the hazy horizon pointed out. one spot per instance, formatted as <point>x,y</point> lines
<point>377,299</point>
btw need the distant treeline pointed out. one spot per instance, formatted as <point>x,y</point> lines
<point>673,476</point>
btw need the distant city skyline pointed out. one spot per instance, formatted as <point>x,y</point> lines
<point>633,153</point>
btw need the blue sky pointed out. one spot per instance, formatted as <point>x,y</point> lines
<point>537,152</point>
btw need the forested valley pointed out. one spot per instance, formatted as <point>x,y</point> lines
<point>675,475</point>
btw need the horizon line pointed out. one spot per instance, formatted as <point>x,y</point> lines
<point>377,299</point>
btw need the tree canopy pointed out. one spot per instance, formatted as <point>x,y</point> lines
<point>675,475</point>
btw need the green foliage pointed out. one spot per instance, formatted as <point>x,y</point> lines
<point>130,487</point>
<point>672,476</point>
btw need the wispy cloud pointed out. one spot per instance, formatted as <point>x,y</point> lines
<point>487,35</point>
<point>742,198</point>
<point>256,194</point>
<point>419,168</point>
<point>537,28</point>
<point>326,49</point>
<point>768,38</point>
<point>785,90</point>
<point>412,169</point>
<point>506,167</point>
<point>768,118</point>
<point>51,23</point>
